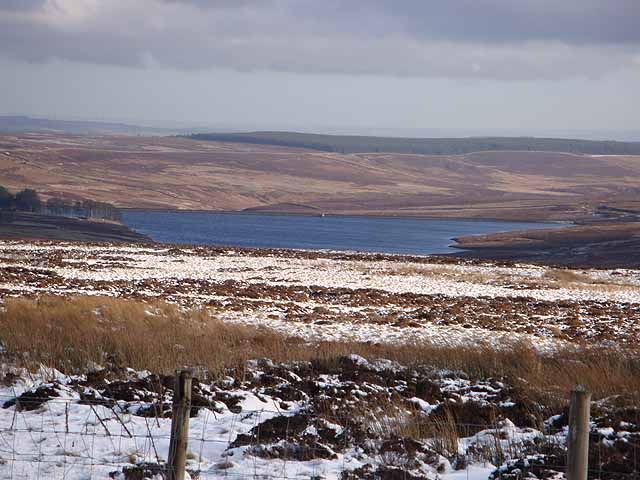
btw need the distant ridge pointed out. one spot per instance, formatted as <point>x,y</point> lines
<point>424,146</point>
<point>24,124</point>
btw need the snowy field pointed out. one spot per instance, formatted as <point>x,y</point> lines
<point>113,424</point>
<point>338,296</point>
<point>350,419</point>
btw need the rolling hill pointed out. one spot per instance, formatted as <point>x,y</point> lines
<point>17,124</point>
<point>184,173</point>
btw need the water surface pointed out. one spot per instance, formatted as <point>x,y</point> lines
<point>368,234</point>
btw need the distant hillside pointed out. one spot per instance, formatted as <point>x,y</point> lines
<point>176,172</point>
<point>23,124</point>
<point>423,146</point>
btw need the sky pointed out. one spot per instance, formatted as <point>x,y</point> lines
<point>352,66</point>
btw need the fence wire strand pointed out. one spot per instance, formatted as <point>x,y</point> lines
<point>110,436</point>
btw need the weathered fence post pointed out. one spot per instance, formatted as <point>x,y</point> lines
<point>578,440</point>
<point>177,460</point>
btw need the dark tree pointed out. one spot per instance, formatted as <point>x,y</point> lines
<point>83,209</point>
<point>6,198</point>
<point>28,200</point>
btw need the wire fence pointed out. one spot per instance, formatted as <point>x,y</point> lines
<point>75,438</point>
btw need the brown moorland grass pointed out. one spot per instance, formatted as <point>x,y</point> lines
<point>71,333</point>
<point>171,172</point>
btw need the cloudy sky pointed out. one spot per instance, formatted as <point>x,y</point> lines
<point>353,64</point>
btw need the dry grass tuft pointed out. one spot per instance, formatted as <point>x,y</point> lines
<point>566,278</point>
<point>71,333</point>
<point>551,277</point>
<point>443,433</point>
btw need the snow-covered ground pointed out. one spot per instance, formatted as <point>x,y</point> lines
<point>80,427</point>
<point>337,296</point>
<point>351,420</point>
<point>140,263</point>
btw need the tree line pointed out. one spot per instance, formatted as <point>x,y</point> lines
<point>423,146</point>
<point>28,200</point>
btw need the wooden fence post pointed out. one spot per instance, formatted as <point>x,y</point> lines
<point>177,460</point>
<point>578,440</point>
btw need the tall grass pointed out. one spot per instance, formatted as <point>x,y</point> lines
<point>72,333</point>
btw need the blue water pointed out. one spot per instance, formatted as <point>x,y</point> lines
<point>370,234</point>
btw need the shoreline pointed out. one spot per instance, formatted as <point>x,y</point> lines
<point>607,245</point>
<point>16,225</point>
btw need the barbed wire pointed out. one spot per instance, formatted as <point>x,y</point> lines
<point>112,427</point>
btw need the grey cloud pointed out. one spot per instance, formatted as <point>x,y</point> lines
<point>501,39</point>
<point>571,21</point>
<point>20,4</point>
